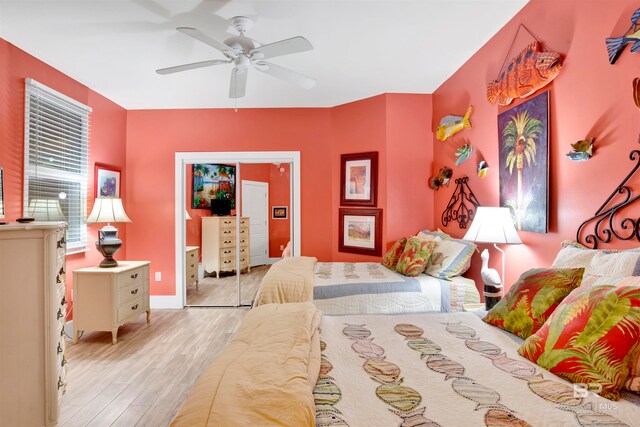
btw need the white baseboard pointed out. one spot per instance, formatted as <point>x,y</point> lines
<point>273,260</point>
<point>68,329</point>
<point>165,301</point>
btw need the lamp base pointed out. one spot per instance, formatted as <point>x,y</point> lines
<point>108,244</point>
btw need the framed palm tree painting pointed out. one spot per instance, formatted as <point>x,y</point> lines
<point>523,133</point>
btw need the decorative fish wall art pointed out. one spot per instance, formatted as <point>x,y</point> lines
<point>443,177</point>
<point>636,92</point>
<point>615,45</point>
<point>450,125</point>
<point>463,153</point>
<point>483,168</point>
<point>528,72</point>
<point>581,150</point>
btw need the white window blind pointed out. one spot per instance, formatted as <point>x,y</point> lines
<point>55,160</point>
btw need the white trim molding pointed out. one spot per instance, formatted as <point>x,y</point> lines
<point>184,158</point>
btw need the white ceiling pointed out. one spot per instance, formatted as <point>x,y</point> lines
<point>361,48</point>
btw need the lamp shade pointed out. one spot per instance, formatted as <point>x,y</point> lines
<point>107,209</point>
<point>187,215</point>
<point>46,210</point>
<point>492,225</point>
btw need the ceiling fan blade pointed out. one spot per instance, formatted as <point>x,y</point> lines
<point>196,34</point>
<point>192,66</point>
<point>285,74</point>
<point>238,82</point>
<point>281,48</point>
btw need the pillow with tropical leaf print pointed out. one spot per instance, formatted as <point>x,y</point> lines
<point>531,300</point>
<point>415,257</point>
<point>591,338</point>
<point>390,259</point>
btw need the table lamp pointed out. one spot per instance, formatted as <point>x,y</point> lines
<point>108,209</point>
<point>187,216</point>
<point>46,210</point>
<point>492,225</point>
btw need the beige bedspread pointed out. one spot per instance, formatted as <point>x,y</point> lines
<point>265,376</point>
<point>287,281</point>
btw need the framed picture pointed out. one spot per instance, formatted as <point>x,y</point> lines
<point>523,133</point>
<point>213,182</point>
<point>279,212</point>
<point>360,231</point>
<point>106,181</point>
<point>358,179</point>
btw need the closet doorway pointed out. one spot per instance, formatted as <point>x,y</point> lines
<point>227,230</point>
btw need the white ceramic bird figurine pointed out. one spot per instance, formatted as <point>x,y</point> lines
<point>492,282</point>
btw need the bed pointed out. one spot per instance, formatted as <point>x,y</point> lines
<point>410,370</point>
<point>369,288</point>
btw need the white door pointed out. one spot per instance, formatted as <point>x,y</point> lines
<point>255,205</point>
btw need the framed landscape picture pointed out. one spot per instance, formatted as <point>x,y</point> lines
<point>360,231</point>
<point>358,179</point>
<point>279,212</point>
<point>211,182</point>
<point>523,133</point>
<point>106,181</point>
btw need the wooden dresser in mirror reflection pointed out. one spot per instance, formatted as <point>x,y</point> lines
<point>220,239</point>
<point>191,266</point>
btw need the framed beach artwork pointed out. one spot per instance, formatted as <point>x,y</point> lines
<point>211,182</point>
<point>106,181</point>
<point>358,179</point>
<point>523,133</point>
<point>279,212</point>
<point>360,231</point>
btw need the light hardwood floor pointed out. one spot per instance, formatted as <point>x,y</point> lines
<point>223,290</point>
<point>144,379</point>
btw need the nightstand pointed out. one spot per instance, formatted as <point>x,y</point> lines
<point>191,265</point>
<point>106,298</point>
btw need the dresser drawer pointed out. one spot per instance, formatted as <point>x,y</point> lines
<point>227,222</point>
<point>228,263</point>
<point>131,291</point>
<point>138,275</point>
<point>192,256</point>
<point>244,222</point>
<point>131,308</point>
<point>227,242</point>
<point>192,276</point>
<point>244,232</point>
<point>228,232</point>
<point>244,242</point>
<point>227,252</point>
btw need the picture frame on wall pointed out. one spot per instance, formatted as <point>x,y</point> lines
<point>360,231</point>
<point>359,179</point>
<point>106,181</point>
<point>523,157</point>
<point>213,181</point>
<point>279,212</point>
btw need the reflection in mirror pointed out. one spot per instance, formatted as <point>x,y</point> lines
<point>1,193</point>
<point>211,235</point>
<point>265,201</point>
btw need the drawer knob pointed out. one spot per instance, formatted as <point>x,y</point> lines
<point>64,361</point>
<point>59,350</point>
<point>62,331</point>
<point>135,291</point>
<point>192,265</point>
<point>58,281</point>
<point>193,276</point>
<point>134,276</point>
<point>59,315</point>
<point>227,232</point>
<point>64,301</point>
<point>60,383</point>
<point>193,255</point>
<point>134,307</point>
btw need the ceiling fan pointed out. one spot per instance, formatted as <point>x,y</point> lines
<point>243,52</point>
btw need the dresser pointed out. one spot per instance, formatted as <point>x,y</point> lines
<point>32,320</point>
<point>107,298</point>
<point>191,265</point>
<point>219,242</point>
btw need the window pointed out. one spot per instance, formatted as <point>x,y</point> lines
<point>55,160</point>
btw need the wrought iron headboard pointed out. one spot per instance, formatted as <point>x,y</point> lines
<point>462,205</point>
<point>605,219</point>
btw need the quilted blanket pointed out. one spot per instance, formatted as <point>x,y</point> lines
<point>370,288</point>
<point>444,370</point>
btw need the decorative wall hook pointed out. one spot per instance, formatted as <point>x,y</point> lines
<point>462,205</point>
<point>608,222</point>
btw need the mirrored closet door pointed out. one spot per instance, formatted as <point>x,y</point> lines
<point>238,223</point>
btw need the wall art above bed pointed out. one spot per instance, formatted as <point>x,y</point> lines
<point>524,163</point>
<point>360,231</point>
<point>359,179</point>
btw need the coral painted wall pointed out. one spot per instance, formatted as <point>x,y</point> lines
<point>590,97</point>
<point>150,181</point>
<point>107,143</point>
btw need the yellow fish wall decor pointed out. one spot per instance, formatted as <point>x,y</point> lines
<point>450,125</point>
